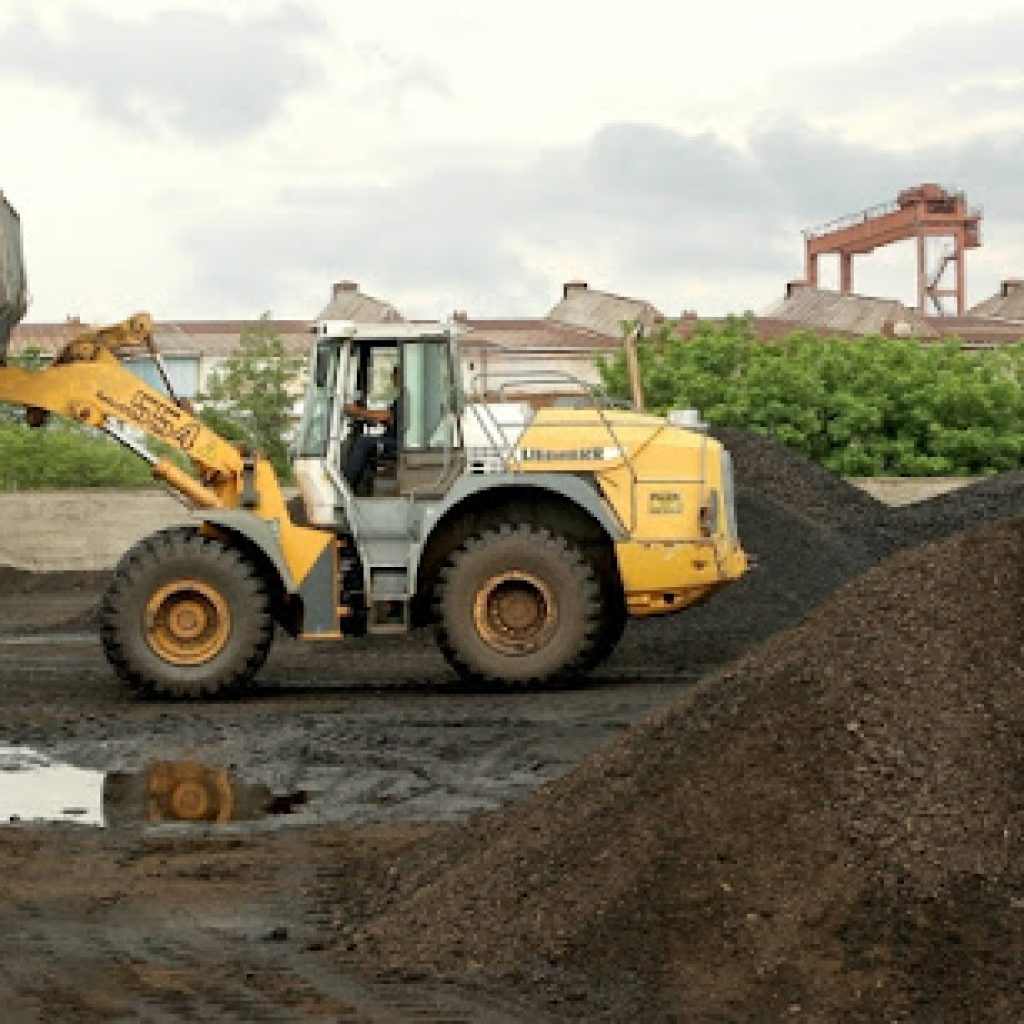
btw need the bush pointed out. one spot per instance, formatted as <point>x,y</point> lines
<point>871,407</point>
<point>64,455</point>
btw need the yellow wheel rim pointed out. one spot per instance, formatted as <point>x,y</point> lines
<point>515,612</point>
<point>187,622</point>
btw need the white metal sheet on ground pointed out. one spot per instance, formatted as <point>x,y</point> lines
<point>33,788</point>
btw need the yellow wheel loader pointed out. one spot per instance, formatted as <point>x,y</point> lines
<point>524,537</point>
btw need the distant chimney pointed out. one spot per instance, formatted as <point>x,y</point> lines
<point>1011,285</point>
<point>792,287</point>
<point>688,314</point>
<point>460,316</point>
<point>897,329</point>
<point>74,321</point>
<point>342,288</point>
<point>573,286</point>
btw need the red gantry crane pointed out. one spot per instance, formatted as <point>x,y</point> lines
<point>922,212</point>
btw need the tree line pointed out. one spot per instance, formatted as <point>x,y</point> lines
<point>875,406</point>
<point>870,407</point>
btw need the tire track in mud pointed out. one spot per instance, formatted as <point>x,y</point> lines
<point>182,926</point>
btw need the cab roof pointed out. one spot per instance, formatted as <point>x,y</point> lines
<point>348,330</point>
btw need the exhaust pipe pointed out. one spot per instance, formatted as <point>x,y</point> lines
<point>13,280</point>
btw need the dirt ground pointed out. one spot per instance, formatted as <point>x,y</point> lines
<point>166,921</point>
<point>453,855</point>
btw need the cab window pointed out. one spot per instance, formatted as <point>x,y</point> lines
<point>428,420</point>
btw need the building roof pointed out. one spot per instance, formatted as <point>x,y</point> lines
<point>765,328</point>
<point>220,337</point>
<point>1006,304</point>
<point>173,337</point>
<point>601,312</point>
<point>48,338</point>
<point>537,334</point>
<point>978,331</point>
<point>830,311</point>
<point>349,303</point>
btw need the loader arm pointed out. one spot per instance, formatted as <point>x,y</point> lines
<point>88,383</point>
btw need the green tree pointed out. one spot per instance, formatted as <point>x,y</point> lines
<point>875,406</point>
<point>250,399</point>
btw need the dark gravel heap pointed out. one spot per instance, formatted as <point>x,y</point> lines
<point>800,561</point>
<point>997,497</point>
<point>811,532</point>
<point>777,472</point>
<point>832,828</point>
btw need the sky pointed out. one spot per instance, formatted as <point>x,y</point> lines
<point>220,159</point>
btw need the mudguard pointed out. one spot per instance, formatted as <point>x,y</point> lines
<point>574,488</point>
<point>260,532</point>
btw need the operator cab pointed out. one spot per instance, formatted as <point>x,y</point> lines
<point>381,416</point>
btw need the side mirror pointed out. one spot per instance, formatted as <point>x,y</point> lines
<point>322,370</point>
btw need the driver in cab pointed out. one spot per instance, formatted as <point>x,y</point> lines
<point>367,444</point>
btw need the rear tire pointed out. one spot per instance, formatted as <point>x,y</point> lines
<point>517,605</point>
<point>186,616</point>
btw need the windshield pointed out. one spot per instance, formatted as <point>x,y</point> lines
<point>315,429</point>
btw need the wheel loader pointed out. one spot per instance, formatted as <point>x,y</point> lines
<point>524,537</point>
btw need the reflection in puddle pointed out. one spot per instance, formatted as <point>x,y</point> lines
<point>35,789</point>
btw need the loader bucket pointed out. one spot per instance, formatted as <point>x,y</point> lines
<point>13,282</point>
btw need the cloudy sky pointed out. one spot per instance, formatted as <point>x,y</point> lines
<point>220,158</point>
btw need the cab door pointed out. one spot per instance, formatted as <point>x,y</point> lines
<point>430,440</point>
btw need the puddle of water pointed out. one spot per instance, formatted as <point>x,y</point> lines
<point>35,789</point>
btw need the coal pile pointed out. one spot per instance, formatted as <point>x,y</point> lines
<point>832,828</point>
<point>774,471</point>
<point>997,497</point>
<point>811,533</point>
<point>800,561</point>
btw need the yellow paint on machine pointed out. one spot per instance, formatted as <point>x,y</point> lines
<point>300,545</point>
<point>638,460</point>
<point>666,488</point>
<point>660,578</point>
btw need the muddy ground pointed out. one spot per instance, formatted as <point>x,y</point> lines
<point>143,921</point>
<point>390,772</point>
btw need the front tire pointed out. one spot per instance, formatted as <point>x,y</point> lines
<point>613,623</point>
<point>517,604</point>
<point>186,616</point>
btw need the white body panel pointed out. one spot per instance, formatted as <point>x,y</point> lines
<point>490,432</point>
<point>318,492</point>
